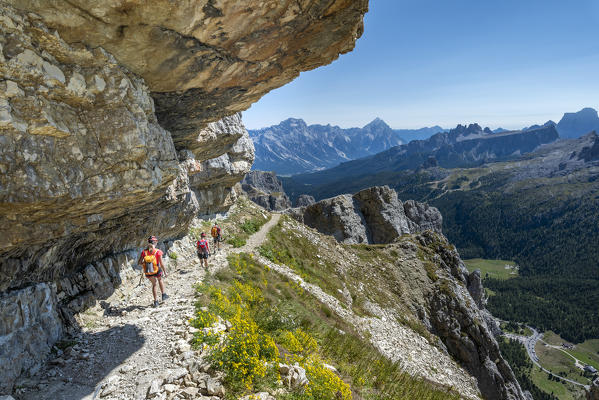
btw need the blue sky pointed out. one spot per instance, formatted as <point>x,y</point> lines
<point>422,62</point>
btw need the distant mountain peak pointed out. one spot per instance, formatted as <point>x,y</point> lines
<point>576,124</point>
<point>293,122</point>
<point>376,123</point>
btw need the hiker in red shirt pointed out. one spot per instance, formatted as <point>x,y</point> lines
<point>152,267</point>
<point>203,250</point>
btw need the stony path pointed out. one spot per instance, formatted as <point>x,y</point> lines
<point>258,238</point>
<point>126,344</point>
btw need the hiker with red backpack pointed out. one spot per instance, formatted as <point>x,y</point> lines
<point>203,250</point>
<point>215,232</point>
<point>152,267</point>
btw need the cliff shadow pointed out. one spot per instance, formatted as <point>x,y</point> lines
<point>82,363</point>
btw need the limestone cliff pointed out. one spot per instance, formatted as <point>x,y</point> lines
<point>205,59</point>
<point>119,120</point>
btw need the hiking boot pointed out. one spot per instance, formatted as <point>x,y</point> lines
<point>155,304</point>
<point>164,296</point>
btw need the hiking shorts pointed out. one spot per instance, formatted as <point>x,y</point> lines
<point>203,256</point>
<point>156,275</point>
<point>217,239</point>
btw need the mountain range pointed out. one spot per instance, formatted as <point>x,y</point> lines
<point>293,147</point>
<point>462,146</point>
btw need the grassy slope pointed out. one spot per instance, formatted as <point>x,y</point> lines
<point>557,388</point>
<point>286,307</point>
<point>559,363</point>
<point>492,268</point>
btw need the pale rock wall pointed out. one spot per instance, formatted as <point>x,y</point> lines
<point>29,326</point>
<point>34,318</point>
<point>205,59</point>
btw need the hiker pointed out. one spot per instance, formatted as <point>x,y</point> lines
<point>203,250</point>
<point>215,232</point>
<point>150,260</point>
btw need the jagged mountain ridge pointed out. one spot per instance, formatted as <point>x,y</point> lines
<point>293,147</point>
<point>461,146</point>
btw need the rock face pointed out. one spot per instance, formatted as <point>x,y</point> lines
<point>266,190</point>
<point>87,169</point>
<point>29,326</point>
<point>573,125</point>
<point>461,325</point>
<point>119,121</point>
<point>373,215</point>
<point>305,200</point>
<point>203,59</point>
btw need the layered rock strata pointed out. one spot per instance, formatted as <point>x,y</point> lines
<point>266,190</point>
<point>205,59</point>
<point>86,168</point>
<point>373,215</point>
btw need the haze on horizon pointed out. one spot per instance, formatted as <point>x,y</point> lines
<point>503,64</point>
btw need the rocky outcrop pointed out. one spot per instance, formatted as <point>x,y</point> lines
<point>266,190</point>
<point>261,181</point>
<point>591,152</point>
<point>202,59</point>
<point>118,121</point>
<point>373,215</point>
<point>576,124</point>
<point>461,324</point>
<point>305,200</point>
<point>212,180</point>
<point>87,169</point>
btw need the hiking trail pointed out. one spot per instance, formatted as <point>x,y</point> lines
<point>126,346</point>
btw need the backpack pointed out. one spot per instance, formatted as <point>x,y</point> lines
<point>150,263</point>
<point>202,246</point>
<point>215,231</point>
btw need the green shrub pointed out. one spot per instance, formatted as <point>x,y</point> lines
<point>236,241</point>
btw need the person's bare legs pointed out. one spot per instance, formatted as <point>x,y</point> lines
<point>161,287</point>
<point>153,280</point>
